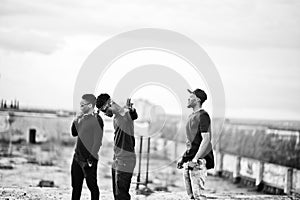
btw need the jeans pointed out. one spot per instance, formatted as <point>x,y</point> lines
<point>122,172</point>
<point>194,180</point>
<point>79,171</point>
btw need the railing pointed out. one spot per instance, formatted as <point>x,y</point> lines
<point>269,174</point>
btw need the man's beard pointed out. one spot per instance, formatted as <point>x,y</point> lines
<point>108,112</point>
<point>189,104</point>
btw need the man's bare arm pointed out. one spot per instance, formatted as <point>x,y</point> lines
<point>205,146</point>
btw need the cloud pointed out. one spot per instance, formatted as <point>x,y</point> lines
<point>255,44</point>
<point>29,41</point>
<point>231,23</point>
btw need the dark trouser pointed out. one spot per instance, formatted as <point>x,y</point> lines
<point>78,173</point>
<point>121,179</point>
<point>121,184</point>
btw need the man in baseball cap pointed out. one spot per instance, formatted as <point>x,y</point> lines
<point>198,156</point>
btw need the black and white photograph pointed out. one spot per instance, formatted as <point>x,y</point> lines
<point>149,100</point>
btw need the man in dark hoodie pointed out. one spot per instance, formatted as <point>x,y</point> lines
<point>198,156</point>
<point>88,128</point>
<point>124,159</point>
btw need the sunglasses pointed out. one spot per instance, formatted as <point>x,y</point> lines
<point>106,105</point>
<point>85,104</point>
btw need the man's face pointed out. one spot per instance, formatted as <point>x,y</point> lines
<point>106,105</point>
<point>192,101</point>
<point>85,106</point>
<point>107,108</point>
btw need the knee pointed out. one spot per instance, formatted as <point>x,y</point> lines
<point>76,186</point>
<point>76,183</point>
<point>91,183</point>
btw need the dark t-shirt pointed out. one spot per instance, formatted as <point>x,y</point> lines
<point>124,141</point>
<point>89,130</point>
<point>198,122</point>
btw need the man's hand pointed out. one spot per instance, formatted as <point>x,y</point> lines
<point>192,164</point>
<point>78,116</point>
<point>180,164</point>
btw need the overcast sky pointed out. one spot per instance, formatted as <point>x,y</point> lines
<point>255,46</point>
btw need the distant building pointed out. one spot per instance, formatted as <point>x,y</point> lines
<point>36,127</point>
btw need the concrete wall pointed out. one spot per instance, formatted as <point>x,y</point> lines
<point>277,176</point>
<point>47,126</point>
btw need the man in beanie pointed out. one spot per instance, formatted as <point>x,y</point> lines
<point>124,159</point>
<point>88,128</point>
<point>198,156</point>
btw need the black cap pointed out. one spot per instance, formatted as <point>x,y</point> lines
<point>199,93</point>
<point>101,100</point>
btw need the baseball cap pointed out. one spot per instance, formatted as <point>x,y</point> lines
<point>199,93</point>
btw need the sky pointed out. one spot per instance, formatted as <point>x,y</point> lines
<point>254,45</point>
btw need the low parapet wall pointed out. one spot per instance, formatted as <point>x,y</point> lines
<point>260,172</point>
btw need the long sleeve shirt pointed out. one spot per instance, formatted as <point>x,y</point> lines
<point>89,133</point>
<point>124,141</point>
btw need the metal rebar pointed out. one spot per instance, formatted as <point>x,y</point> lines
<point>140,162</point>
<point>148,157</point>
